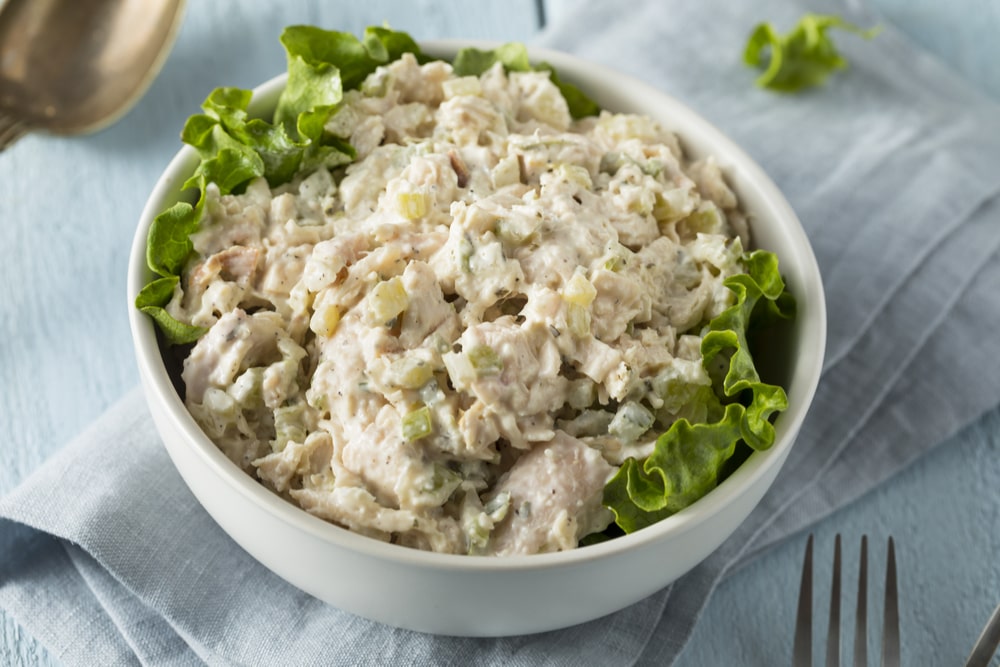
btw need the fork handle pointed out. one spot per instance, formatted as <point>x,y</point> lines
<point>987,643</point>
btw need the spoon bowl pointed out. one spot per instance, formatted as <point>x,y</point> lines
<point>75,66</point>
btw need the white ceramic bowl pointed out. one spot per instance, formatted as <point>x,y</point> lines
<point>481,596</point>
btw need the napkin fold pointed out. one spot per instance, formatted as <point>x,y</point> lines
<point>894,169</point>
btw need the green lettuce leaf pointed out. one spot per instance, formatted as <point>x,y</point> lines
<point>803,57</point>
<point>175,332</point>
<point>156,293</point>
<point>151,300</point>
<point>324,149</point>
<point>687,459</point>
<point>229,169</point>
<point>580,106</point>
<point>168,244</point>
<point>167,249</point>
<point>473,62</point>
<point>514,57</point>
<point>322,64</point>
<point>231,162</point>
<point>235,148</point>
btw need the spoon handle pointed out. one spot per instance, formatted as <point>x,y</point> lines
<point>11,129</point>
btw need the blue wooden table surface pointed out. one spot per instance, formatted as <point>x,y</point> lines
<point>69,207</point>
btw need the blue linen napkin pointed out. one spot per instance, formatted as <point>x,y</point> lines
<point>894,169</point>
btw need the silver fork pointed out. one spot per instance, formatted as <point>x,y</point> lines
<point>802,648</point>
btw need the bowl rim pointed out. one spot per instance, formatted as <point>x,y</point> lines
<point>159,388</point>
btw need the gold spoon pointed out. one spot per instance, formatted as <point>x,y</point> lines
<point>76,66</point>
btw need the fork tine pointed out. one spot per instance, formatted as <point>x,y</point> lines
<point>833,630</point>
<point>890,619</point>
<point>802,648</point>
<point>861,616</point>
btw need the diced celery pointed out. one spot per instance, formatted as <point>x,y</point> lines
<point>412,205</point>
<point>442,481</point>
<point>465,252</point>
<point>672,205</point>
<point>652,168</point>
<point>507,172</point>
<point>616,257</point>
<point>706,219</point>
<point>663,210</point>
<point>485,360</point>
<point>411,372</point>
<point>614,263</point>
<point>387,300</point>
<point>431,486</point>
<point>246,390</point>
<point>417,424</point>
<point>439,343</point>
<point>579,291</point>
<point>630,422</point>
<point>613,161</point>
<point>318,400</point>
<point>642,201</point>
<point>463,85</point>
<point>575,174</point>
<point>288,426</point>
<point>577,320</point>
<point>219,411</point>
<point>496,508</point>
<point>676,384</point>
<point>588,423</point>
<point>474,473</point>
<point>325,320</point>
<point>515,230</point>
<point>477,532</point>
<point>476,523</point>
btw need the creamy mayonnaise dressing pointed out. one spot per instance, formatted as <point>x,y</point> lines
<point>454,342</point>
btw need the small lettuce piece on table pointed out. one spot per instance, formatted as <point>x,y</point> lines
<point>514,57</point>
<point>802,58</point>
<point>687,459</point>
